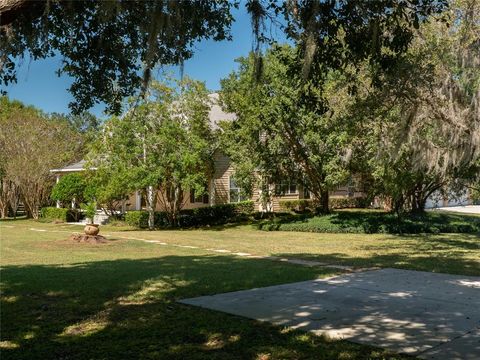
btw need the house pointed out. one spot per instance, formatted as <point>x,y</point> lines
<point>222,188</point>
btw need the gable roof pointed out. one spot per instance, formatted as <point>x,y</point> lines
<point>78,166</point>
<point>216,113</point>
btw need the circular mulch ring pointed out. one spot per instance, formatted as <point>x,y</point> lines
<point>91,239</point>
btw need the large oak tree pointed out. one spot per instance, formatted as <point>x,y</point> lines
<point>110,48</point>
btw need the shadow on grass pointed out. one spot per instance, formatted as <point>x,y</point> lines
<point>126,309</point>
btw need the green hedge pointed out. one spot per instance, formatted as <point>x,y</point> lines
<point>302,205</point>
<point>137,218</point>
<point>209,215</point>
<point>348,203</point>
<point>53,213</point>
<point>370,222</point>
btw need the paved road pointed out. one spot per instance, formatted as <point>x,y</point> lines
<point>433,316</point>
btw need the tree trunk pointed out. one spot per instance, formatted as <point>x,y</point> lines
<point>419,201</point>
<point>323,205</point>
<point>3,211</point>
<point>151,208</point>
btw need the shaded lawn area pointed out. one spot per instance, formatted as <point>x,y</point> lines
<point>62,300</point>
<point>444,253</point>
<point>375,221</point>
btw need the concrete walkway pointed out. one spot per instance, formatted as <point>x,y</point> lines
<point>433,316</point>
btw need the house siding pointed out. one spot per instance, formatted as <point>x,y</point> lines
<point>221,178</point>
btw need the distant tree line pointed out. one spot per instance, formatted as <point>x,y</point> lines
<point>32,143</point>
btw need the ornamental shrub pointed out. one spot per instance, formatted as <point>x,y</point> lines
<point>61,214</point>
<point>69,187</point>
<point>137,218</point>
<point>208,215</point>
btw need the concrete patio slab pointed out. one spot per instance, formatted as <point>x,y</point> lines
<point>418,313</point>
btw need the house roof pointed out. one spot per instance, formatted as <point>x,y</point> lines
<point>78,166</point>
<point>216,113</point>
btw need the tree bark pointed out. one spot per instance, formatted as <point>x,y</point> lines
<point>151,208</point>
<point>324,199</point>
<point>10,10</point>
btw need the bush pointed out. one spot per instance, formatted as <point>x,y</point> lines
<point>302,205</point>
<point>370,222</point>
<point>299,205</point>
<point>69,187</point>
<point>348,203</point>
<point>61,214</point>
<point>209,215</point>
<point>137,218</point>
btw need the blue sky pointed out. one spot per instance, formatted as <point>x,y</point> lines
<point>39,85</point>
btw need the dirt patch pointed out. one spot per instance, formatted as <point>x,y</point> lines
<point>90,239</point>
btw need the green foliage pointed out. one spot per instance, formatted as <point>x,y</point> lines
<point>69,187</point>
<point>106,189</point>
<point>423,121</point>
<point>164,142</point>
<point>31,145</point>
<point>208,215</point>
<point>299,205</point>
<point>349,203</point>
<point>289,128</point>
<point>61,214</point>
<point>302,205</point>
<point>90,209</point>
<point>330,34</point>
<point>370,222</point>
<point>137,218</point>
<point>103,68</point>
<point>216,214</point>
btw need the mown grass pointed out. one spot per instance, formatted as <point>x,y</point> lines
<point>372,222</point>
<point>63,300</point>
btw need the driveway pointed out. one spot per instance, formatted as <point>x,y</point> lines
<point>433,316</point>
<point>467,209</point>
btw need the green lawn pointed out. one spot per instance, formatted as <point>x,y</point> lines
<point>117,301</point>
<point>447,253</point>
<point>64,300</point>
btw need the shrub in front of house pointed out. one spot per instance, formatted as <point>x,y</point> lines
<point>299,205</point>
<point>371,222</point>
<point>59,214</point>
<point>348,203</point>
<point>303,205</point>
<point>137,218</point>
<point>209,215</point>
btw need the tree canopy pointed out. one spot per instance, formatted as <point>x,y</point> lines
<point>409,129</point>
<point>163,146</point>
<point>32,144</point>
<point>111,47</point>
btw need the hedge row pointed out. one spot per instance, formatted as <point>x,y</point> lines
<point>209,215</point>
<point>370,222</point>
<point>61,214</point>
<point>302,205</point>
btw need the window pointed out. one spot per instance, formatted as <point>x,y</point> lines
<point>235,192</point>
<point>286,188</point>
<point>306,193</point>
<point>198,198</point>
